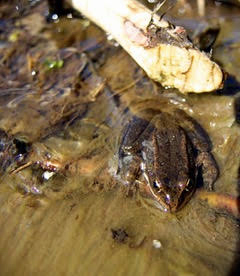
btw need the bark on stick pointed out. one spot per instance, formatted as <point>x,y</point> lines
<point>161,49</point>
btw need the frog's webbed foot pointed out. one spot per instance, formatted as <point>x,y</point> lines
<point>209,169</point>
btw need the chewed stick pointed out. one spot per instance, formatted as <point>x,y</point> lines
<point>161,49</point>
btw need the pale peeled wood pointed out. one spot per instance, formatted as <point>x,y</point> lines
<point>189,70</point>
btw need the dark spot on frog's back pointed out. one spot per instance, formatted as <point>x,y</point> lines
<point>166,152</point>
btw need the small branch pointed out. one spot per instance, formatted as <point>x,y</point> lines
<point>24,166</point>
<point>161,49</point>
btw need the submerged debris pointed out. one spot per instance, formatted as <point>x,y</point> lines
<point>13,152</point>
<point>222,202</point>
<point>156,244</point>
<point>53,64</point>
<point>119,235</point>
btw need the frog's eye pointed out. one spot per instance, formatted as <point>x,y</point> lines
<point>156,185</point>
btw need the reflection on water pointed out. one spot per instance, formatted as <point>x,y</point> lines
<point>62,210</point>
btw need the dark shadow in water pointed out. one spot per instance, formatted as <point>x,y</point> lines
<point>58,8</point>
<point>231,87</point>
<point>237,109</point>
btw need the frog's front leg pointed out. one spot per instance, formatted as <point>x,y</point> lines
<point>129,169</point>
<point>129,172</point>
<point>209,168</point>
<point>129,154</point>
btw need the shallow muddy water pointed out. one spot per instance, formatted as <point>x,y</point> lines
<point>66,93</point>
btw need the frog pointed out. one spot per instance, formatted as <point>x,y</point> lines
<point>169,154</point>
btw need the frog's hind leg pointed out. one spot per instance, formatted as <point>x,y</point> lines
<point>194,131</point>
<point>131,171</point>
<point>202,146</point>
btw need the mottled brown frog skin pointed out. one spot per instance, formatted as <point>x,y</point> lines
<point>169,154</point>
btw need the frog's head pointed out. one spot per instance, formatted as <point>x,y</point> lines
<point>170,197</point>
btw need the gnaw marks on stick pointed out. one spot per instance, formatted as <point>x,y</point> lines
<point>161,49</point>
